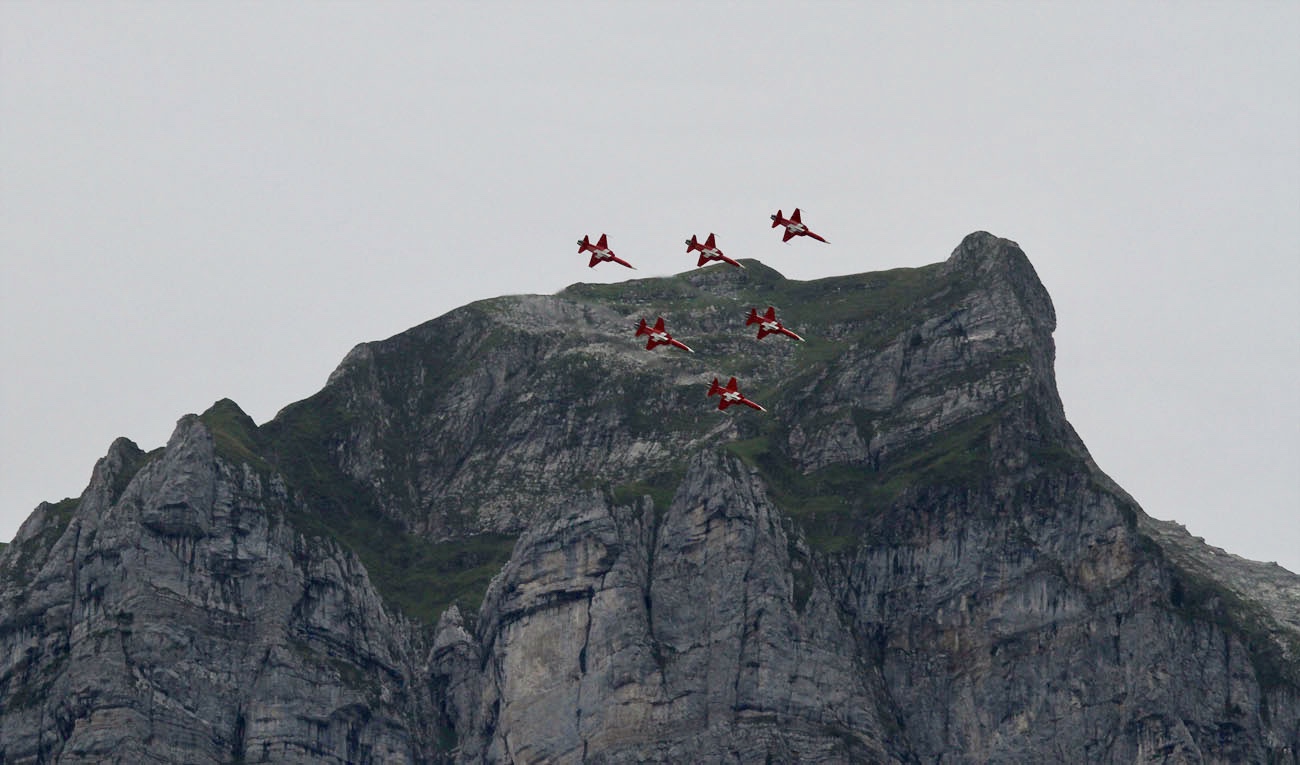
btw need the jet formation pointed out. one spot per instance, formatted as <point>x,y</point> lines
<point>768,324</point>
<point>708,251</point>
<point>730,394</point>
<point>658,335</point>
<point>793,226</point>
<point>600,252</point>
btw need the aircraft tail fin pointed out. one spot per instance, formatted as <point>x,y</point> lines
<point>776,218</point>
<point>715,389</point>
<point>752,318</point>
<point>642,328</point>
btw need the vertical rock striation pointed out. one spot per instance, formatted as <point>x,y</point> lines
<point>619,635</point>
<point>183,620</point>
<point>512,535</point>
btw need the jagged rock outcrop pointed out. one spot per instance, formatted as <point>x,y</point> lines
<point>619,635</point>
<point>513,535</point>
<point>178,618</point>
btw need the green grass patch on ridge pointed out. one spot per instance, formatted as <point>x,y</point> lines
<point>1272,651</point>
<point>834,504</point>
<point>30,554</point>
<point>234,433</point>
<point>660,487</point>
<point>419,577</point>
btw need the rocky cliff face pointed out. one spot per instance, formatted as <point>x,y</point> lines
<point>513,535</point>
<point>181,620</point>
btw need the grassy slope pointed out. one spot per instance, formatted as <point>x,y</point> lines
<point>866,311</point>
<point>421,578</point>
<point>832,505</point>
<point>418,577</point>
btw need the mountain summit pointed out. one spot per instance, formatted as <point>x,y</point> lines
<point>513,534</point>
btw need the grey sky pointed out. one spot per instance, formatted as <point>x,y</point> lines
<point>210,200</point>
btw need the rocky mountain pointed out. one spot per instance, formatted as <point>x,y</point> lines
<point>511,534</point>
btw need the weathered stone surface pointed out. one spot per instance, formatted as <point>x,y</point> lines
<point>185,622</point>
<point>616,636</point>
<point>911,558</point>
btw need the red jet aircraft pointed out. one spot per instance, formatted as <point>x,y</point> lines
<point>793,226</point>
<point>731,395</point>
<point>600,252</point>
<point>768,324</point>
<point>708,251</point>
<point>659,336</point>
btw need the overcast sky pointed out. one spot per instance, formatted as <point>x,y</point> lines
<point>207,200</point>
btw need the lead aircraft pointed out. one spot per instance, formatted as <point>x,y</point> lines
<point>708,251</point>
<point>659,336</point>
<point>731,395</point>
<point>768,324</point>
<point>600,252</point>
<point>793,226</point>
